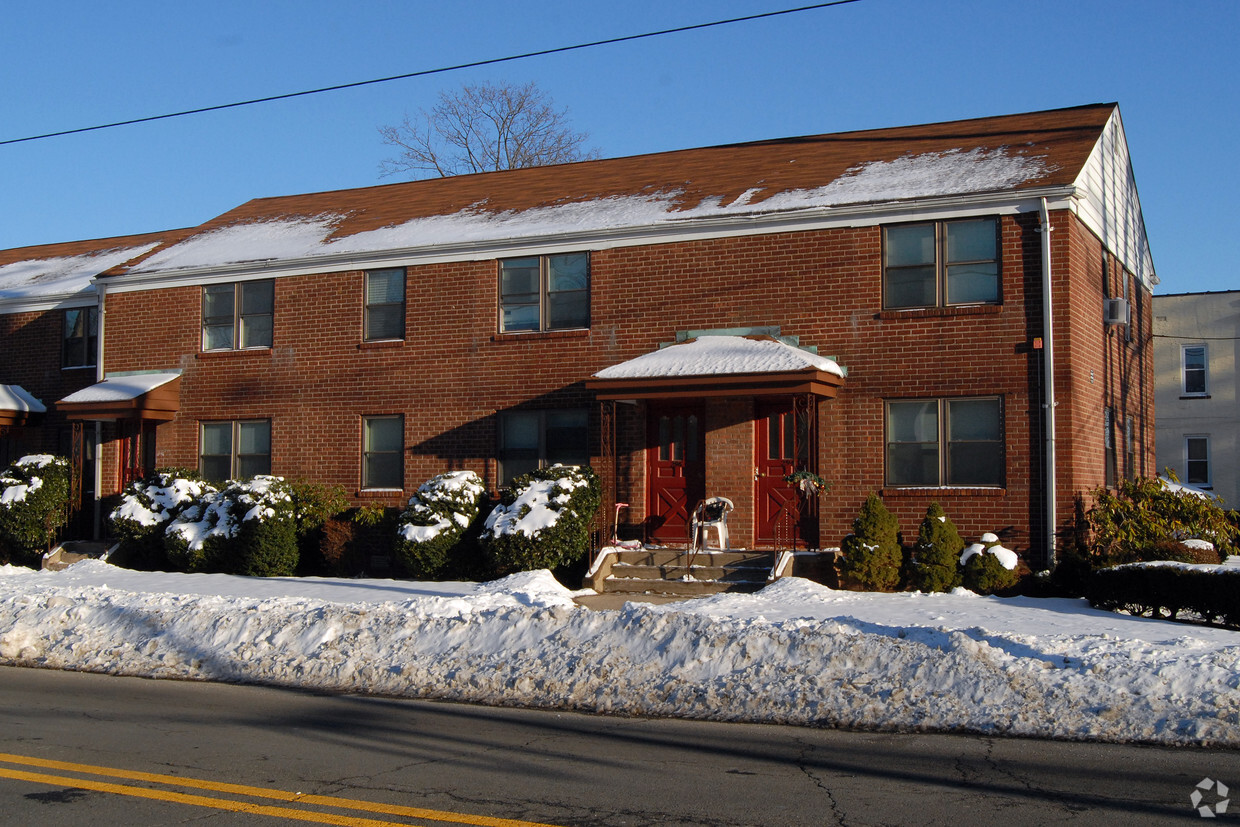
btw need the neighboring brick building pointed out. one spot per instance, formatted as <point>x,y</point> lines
<point>376,337</point>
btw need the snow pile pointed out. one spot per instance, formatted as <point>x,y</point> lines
<point>796,652</point>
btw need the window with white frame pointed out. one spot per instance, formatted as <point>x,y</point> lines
<point>1193,370</point>
<point>941,263</point>
<point>1197,460</point>
<point>385,304</point>
<point>238,449</point>
<point>549,292</point>
<point>237,316</point>
<point>945,442</point>
<point>383,449</point>
<point>538,439</point>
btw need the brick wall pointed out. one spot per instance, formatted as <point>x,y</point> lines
<point>454,372</point>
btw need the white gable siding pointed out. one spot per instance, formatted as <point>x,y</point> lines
<point>1109,204</point>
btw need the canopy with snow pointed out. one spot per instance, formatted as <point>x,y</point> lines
<point>148,396</point>
<point>710,366</point>
<point>18,407</point>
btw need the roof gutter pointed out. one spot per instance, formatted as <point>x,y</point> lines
<point>1048,385</point>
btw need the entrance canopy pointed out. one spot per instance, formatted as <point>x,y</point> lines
<point>711,366</point>
<point>18,407</point>
<point>149,396</point>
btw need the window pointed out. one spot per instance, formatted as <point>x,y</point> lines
<point>385,304</point>
<point>544,292</point>
<point>537,439</point>
<point>237,316</point>
<point>933,442</point>
<point>383,449</point>
<point>81,340</point>
<point>1197,461</point>
<point>235,450</point>
<point>1193,370</point>
<point>941,263</point>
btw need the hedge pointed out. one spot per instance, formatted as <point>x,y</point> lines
<point>433,532</point>
<point>34,505</point>
<point>544,521</point>
<point>1158,589</point>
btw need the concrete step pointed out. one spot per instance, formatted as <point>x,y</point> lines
<point>683,588</point>
<point>700,572</point>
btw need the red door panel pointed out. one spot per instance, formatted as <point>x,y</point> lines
<point>780,449</point>
<point>675,470</point>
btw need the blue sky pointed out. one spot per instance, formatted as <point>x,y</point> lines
<point>1173,68</point>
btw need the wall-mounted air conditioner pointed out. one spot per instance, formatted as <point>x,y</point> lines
<point>1115,311</point>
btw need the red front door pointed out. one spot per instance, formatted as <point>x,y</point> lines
<point>675,469</point>
<point>781,448</point>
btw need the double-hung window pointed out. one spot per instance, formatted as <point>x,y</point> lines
<point>941,263</point>
<point>1193,371</point>
<point>235,450</point>
<point>385,304</point>
<point>81,337</point>
<point>544,292</point>
<point>237,316</point>
<point>383,444</point>
<point>1197,460</point>
<point>945,442</point>
<point>538,439</point>
<point>1108,444</point>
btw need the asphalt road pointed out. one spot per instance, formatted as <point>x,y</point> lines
<point>91,749</point>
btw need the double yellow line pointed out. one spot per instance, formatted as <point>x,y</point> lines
<point>233,805</point>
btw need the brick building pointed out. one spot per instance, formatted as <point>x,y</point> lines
<point>867,306</point>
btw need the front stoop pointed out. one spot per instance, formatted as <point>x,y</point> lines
<point>666,571</point>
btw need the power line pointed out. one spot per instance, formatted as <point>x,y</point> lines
<point>425,72</point>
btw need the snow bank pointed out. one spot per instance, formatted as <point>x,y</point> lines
<point>796,652</point>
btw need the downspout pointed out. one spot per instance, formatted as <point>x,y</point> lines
<point>96,526</point>
<point>1048,384</point>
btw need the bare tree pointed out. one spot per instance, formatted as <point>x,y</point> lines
<point>483,127</point>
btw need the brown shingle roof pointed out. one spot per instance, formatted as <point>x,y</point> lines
<point>1058,142</point>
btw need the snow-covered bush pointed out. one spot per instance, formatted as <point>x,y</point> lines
<point>147,508</point>
<point>871,554</point>
<point>434,528</point>
<point>34,504</point>
<point>936,557</point>
<point>544,521</point>
<point>988,567</point>
<point>247,528</point>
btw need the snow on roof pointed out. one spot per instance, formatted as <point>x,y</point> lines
<point>720,356</point>
<point>648,192</point>
<point>917,176</point>
<point>61,275</point>
<point>17,398</point>
<point>121,388</point>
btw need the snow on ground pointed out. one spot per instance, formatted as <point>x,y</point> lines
<point>796,652</point>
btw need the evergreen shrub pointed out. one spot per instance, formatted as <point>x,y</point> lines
<point>434,531</point>
<point>936,557</point>
<point>1144,513</point>
<point>34,506</point>
<point>146,509</point>
<point>247,528</point>
<point>544,521</point>
<point>871,554</point>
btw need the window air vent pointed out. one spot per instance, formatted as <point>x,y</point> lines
<point>1115,311</point>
